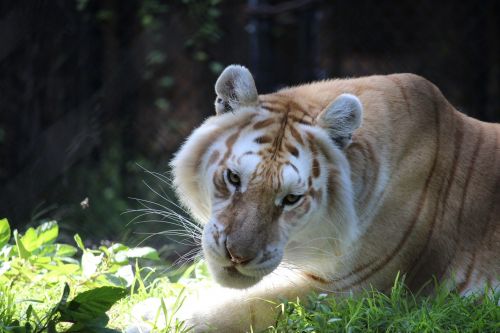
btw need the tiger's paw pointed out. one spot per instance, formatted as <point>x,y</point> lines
<point>151,315</point>
<point>147,316</point>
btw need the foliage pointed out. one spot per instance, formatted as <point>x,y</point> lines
<point>34,269</point>
<point>202,16</point>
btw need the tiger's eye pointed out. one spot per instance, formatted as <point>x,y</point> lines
<point>233,178</point>
<point>290,199</point>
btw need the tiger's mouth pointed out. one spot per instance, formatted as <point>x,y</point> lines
<point>232,271</point>
<point>231,277</point>
<point>241,276</point>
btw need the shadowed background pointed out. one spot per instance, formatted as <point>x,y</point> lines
<point>91,91</point>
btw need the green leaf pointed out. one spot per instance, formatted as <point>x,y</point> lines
<point>29,311</point>
<point>4,232</point>
<point>34,239</point>
<point>79,242</point>
<point>47,232</point>
<point>117,247</point>
<point>109,279</point>
<point>51,327</point>
<point>45,251</point>
<point>56,250</point>
<point>96,326</point>
<point>62,269</point>
<point>143,252</point>
<point>29,240</point>
<point>127,274</point>
<point>65,250</point>
<point>121,258</point>
<point>91,304</point>
<point>21,250</point>
<point>65,294</point>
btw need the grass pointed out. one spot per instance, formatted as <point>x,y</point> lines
<point>399,311</point>
<point>50,287</point>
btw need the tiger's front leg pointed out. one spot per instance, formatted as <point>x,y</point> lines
<point>256,308</point>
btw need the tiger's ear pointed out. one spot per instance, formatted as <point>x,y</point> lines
<point>235,87</point>
<point>341,118</point>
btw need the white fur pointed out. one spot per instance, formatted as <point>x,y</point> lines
<point>315,243</point>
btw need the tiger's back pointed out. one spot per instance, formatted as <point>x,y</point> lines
<point>426,180</point>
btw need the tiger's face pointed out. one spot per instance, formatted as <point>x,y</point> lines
<point>261,192</point>
<point>263,173</point>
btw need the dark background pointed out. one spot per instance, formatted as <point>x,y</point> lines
<point>91,92</point>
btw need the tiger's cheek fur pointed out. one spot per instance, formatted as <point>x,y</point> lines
<point>298,216</point>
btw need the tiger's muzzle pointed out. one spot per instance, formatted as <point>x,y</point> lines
<point>238,262</point>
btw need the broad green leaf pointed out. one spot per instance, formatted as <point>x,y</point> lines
<point>104,250</point>
<point>109,279</point>
<point>47,232</point>
<point>21,250</point>
<point>127,274</point>
<point>56,251</point>
<point>62,269</point>
<point>65,250</point>
<point>95,326</point>
<point>117,247</point>
<point>45,250</point>
<point>118,253</point>
<point>101,299</point>
<point>34,239</point>
<point>70,261</point>
<point>30,240</point>
<point>91,304</point>
<point>40,260</point>
<point>121,257</point>
<point>143,252</point>
<point>4,232</point>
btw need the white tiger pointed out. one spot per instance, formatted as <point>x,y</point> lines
<point>336,186</point>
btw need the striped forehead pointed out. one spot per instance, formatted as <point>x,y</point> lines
<point>261,155</point>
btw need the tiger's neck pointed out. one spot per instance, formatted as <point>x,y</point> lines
<point>368,176</point>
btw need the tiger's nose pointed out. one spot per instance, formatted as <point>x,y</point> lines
<point>236,257</point>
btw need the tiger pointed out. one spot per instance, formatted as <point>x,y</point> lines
<point>337,186</point>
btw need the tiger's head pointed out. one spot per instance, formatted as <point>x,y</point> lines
<point>266,176</point>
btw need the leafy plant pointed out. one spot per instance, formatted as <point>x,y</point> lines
<point>35,267</point>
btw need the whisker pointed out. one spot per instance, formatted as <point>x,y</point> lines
<point>180,229</point>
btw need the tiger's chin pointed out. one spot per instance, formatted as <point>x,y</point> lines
<point>231,277</point>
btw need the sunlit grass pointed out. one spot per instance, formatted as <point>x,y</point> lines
<point>398,311</point>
